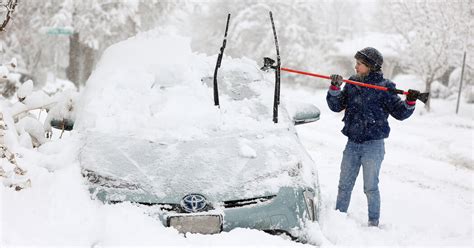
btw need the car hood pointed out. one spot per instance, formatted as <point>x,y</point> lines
<point>222,167</point>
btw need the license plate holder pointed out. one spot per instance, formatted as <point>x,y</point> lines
<point>203,224</point>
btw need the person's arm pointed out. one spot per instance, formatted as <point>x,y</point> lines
<point>398,108</point>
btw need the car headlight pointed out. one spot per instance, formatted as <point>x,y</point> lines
<point>310,206</point>
<point>108,182</point>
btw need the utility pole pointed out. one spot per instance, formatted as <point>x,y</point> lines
<point>460,83</point>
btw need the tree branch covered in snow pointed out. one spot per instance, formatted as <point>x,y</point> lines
<point>10,8</point>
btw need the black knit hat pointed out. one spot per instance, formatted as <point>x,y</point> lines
<point>371,57</point>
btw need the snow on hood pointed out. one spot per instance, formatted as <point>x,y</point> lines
<point>155,87</point>
<point>222,168</point>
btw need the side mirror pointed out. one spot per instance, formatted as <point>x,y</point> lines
<point>64,124</point>
<point>305,113</point>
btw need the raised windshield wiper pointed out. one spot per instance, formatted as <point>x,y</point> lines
<point>277,74</point>
<point>268,63</point>
<point>218,63</point>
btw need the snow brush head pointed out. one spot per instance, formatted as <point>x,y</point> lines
<point>268,64</point>
<point>423,97</point>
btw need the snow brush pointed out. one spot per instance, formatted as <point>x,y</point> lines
<point>268,64</point>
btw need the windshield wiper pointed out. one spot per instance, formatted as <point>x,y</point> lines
<point>276,100</point>
<point>218,63</point>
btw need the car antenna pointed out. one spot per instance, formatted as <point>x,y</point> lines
<point>276,98</point>
<point>218,63</point>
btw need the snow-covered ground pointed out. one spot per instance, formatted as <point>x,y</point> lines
<point>426,186</point>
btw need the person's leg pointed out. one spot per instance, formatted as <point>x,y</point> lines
<point>350,166</point>
<point>372,157</point>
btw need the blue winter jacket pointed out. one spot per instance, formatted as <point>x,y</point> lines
<point>367,109</point>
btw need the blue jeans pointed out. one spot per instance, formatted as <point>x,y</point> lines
<point>370,155</point>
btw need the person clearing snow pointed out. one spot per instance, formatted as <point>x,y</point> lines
<point>366,126</point>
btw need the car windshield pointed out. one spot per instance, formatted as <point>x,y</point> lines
<point>166,88</point>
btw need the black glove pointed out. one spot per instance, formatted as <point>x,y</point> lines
<point>336,80</point>
<point>412,95</point>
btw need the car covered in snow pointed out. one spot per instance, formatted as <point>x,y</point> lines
<point>151,135</point>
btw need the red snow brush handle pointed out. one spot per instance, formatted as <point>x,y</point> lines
<point>345,80</point>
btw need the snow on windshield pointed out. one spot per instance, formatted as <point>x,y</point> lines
<point>155,82</point>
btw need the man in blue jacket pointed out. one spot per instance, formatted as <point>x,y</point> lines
<point>366,126</point>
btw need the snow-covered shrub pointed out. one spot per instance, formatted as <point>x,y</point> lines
<point>11,174</point>
<point>467,88</point>
<point>21,124</point>
<point>31,132</point>
<point>469,94</point>
<point>438,90</point>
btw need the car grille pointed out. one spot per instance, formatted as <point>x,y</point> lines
<point>173,207</point>
<point>168,207</point>
<point>247,202</point>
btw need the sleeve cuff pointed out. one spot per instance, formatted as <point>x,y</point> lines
<point>410,104</point>
<point>334,92</point>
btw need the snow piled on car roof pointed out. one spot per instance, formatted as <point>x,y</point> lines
<point>155,82</point>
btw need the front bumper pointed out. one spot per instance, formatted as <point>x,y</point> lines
<point>284,212</point>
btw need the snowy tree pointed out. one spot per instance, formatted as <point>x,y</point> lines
<point>65,35</point>
<point>25,41</point>
<point>92,22</point>
<point>436,34</point>
<point>98,24</point>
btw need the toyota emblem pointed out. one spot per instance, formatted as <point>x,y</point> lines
<point>193,203</point>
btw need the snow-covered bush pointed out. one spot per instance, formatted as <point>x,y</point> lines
<point>21,124</point>
<point>467,88</point>
<point>438,90</point>
<point>469,94</point>
<point>11,174</point>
